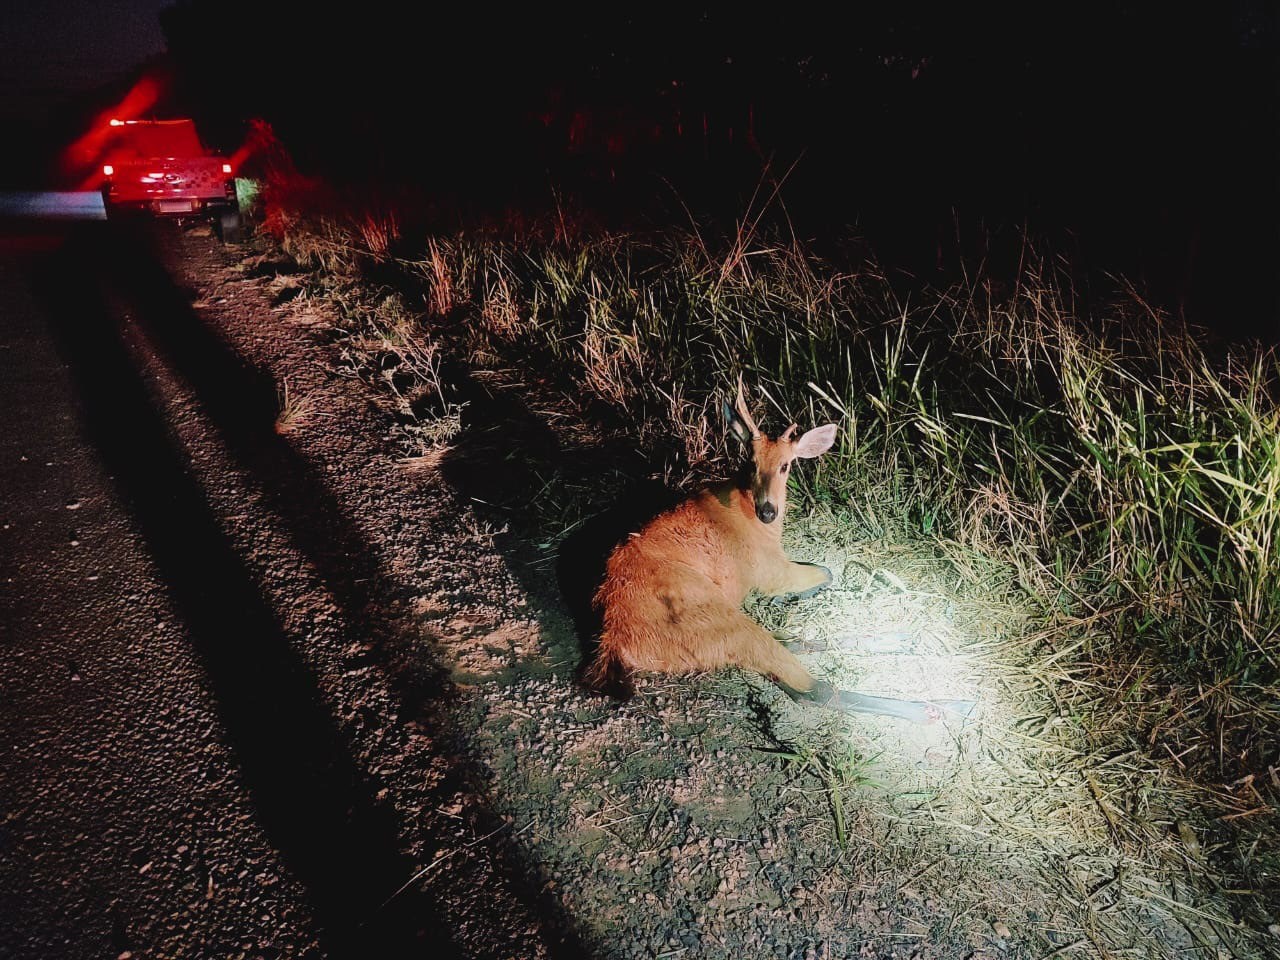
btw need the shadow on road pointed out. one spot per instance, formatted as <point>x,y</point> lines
<point>511,457</point>
<point>312,798</point>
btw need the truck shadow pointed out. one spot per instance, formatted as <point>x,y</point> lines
<point>314,801</point>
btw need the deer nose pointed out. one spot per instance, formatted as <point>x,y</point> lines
<point>767,512</point>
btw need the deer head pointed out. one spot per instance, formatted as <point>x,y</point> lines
<point>771,460</point>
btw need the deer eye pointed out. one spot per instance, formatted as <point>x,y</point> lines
<point>783,468</point>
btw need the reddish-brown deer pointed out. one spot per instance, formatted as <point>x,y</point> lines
<point>671,600</point>
<point>672,595</point>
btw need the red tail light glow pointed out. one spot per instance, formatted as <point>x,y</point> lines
<point>226,168</point>
<point>108,169</point>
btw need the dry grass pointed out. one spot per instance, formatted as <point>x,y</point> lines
<point>379,233</point>
<point>439,272</point>
<point>296,412</point>
<point>284,288</point>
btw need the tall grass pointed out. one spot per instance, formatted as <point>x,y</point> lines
<point>1127,473</point>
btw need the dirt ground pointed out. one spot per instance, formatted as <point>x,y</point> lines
<point>376,656</point>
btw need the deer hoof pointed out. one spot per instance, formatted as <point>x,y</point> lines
<point>822,693</point>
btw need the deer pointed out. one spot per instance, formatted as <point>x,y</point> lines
<point>672,594</point>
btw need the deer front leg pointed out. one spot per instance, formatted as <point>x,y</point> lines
<point>790,579</point>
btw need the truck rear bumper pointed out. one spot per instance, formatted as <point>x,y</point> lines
<point>175,204</point>
<point>171,206</point>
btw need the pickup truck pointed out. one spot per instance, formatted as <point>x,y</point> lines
<point>160,167</point>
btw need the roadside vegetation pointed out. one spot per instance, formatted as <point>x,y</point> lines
<point>1114,475</point>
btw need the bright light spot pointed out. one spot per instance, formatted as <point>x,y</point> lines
<point>896,643</point>
<point>108,170</point>
<point>117,123</point>
<point>916,625</point>
<point>226,168</point>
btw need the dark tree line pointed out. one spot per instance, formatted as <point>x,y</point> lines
<point>1144,126</point>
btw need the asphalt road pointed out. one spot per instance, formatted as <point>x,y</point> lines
<point>182,776</point>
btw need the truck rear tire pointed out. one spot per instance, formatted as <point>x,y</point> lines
<point>230,226</point>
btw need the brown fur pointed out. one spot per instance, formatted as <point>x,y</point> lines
<point>672,594</point>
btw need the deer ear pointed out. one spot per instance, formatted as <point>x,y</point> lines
<point>816,441</point>
<point>735,424</point>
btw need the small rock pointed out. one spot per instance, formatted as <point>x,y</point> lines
<point>1002,929</point>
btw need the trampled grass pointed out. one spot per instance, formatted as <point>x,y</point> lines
<point>1124,472</point>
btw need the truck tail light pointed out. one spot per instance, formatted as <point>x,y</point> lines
<point>108,170</point>
<point>226,168</point>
